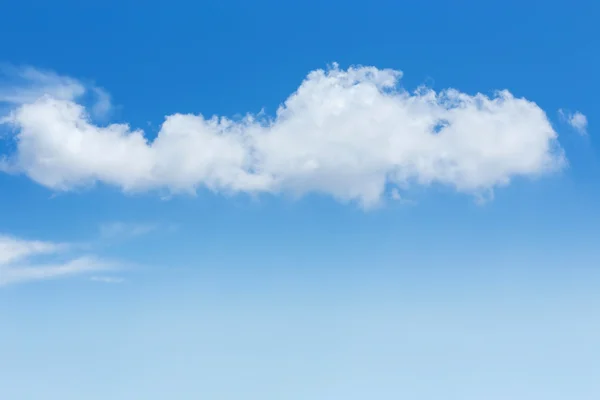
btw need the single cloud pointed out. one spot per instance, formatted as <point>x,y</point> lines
<point>16,265</point>
<point>24,85</point>
<point>103,105</point>
<point>113,230</point>
<point>23,273</point>
<point>107,279</point>
<point>577,120</point>
<point>13,249</point>
<point>352,134</point>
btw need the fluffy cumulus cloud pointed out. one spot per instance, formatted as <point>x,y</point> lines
<point>18,261</point>
<point>354,134</point>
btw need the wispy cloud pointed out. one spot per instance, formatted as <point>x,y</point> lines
<point>114,230</point>
<point>18,261</point>
<point>22,85</point>
<point>25,85</point>
<point>13,249</point>
<point>103,104</point>
<point>396,196</point>
<point>577,120</point>
<point>107,279</point>
<point>22,273</point>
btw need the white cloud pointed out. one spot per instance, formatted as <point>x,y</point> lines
<point>13,249</point>
<point>103,104</point>
<point>107,279</point>
<point>25,85</point>
<point>577,120</point>
<point>23,273</point>
<point>352,134</point>
<point>395,195</point>
<point>16,265</point>
<point>123,229</point>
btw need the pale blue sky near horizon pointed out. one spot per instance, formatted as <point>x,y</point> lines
<point>342,250</point>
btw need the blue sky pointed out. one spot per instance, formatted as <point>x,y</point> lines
<point>393,200</point>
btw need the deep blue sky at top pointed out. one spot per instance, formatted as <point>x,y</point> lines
<point>228,57</point>
<point>233,57</point>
